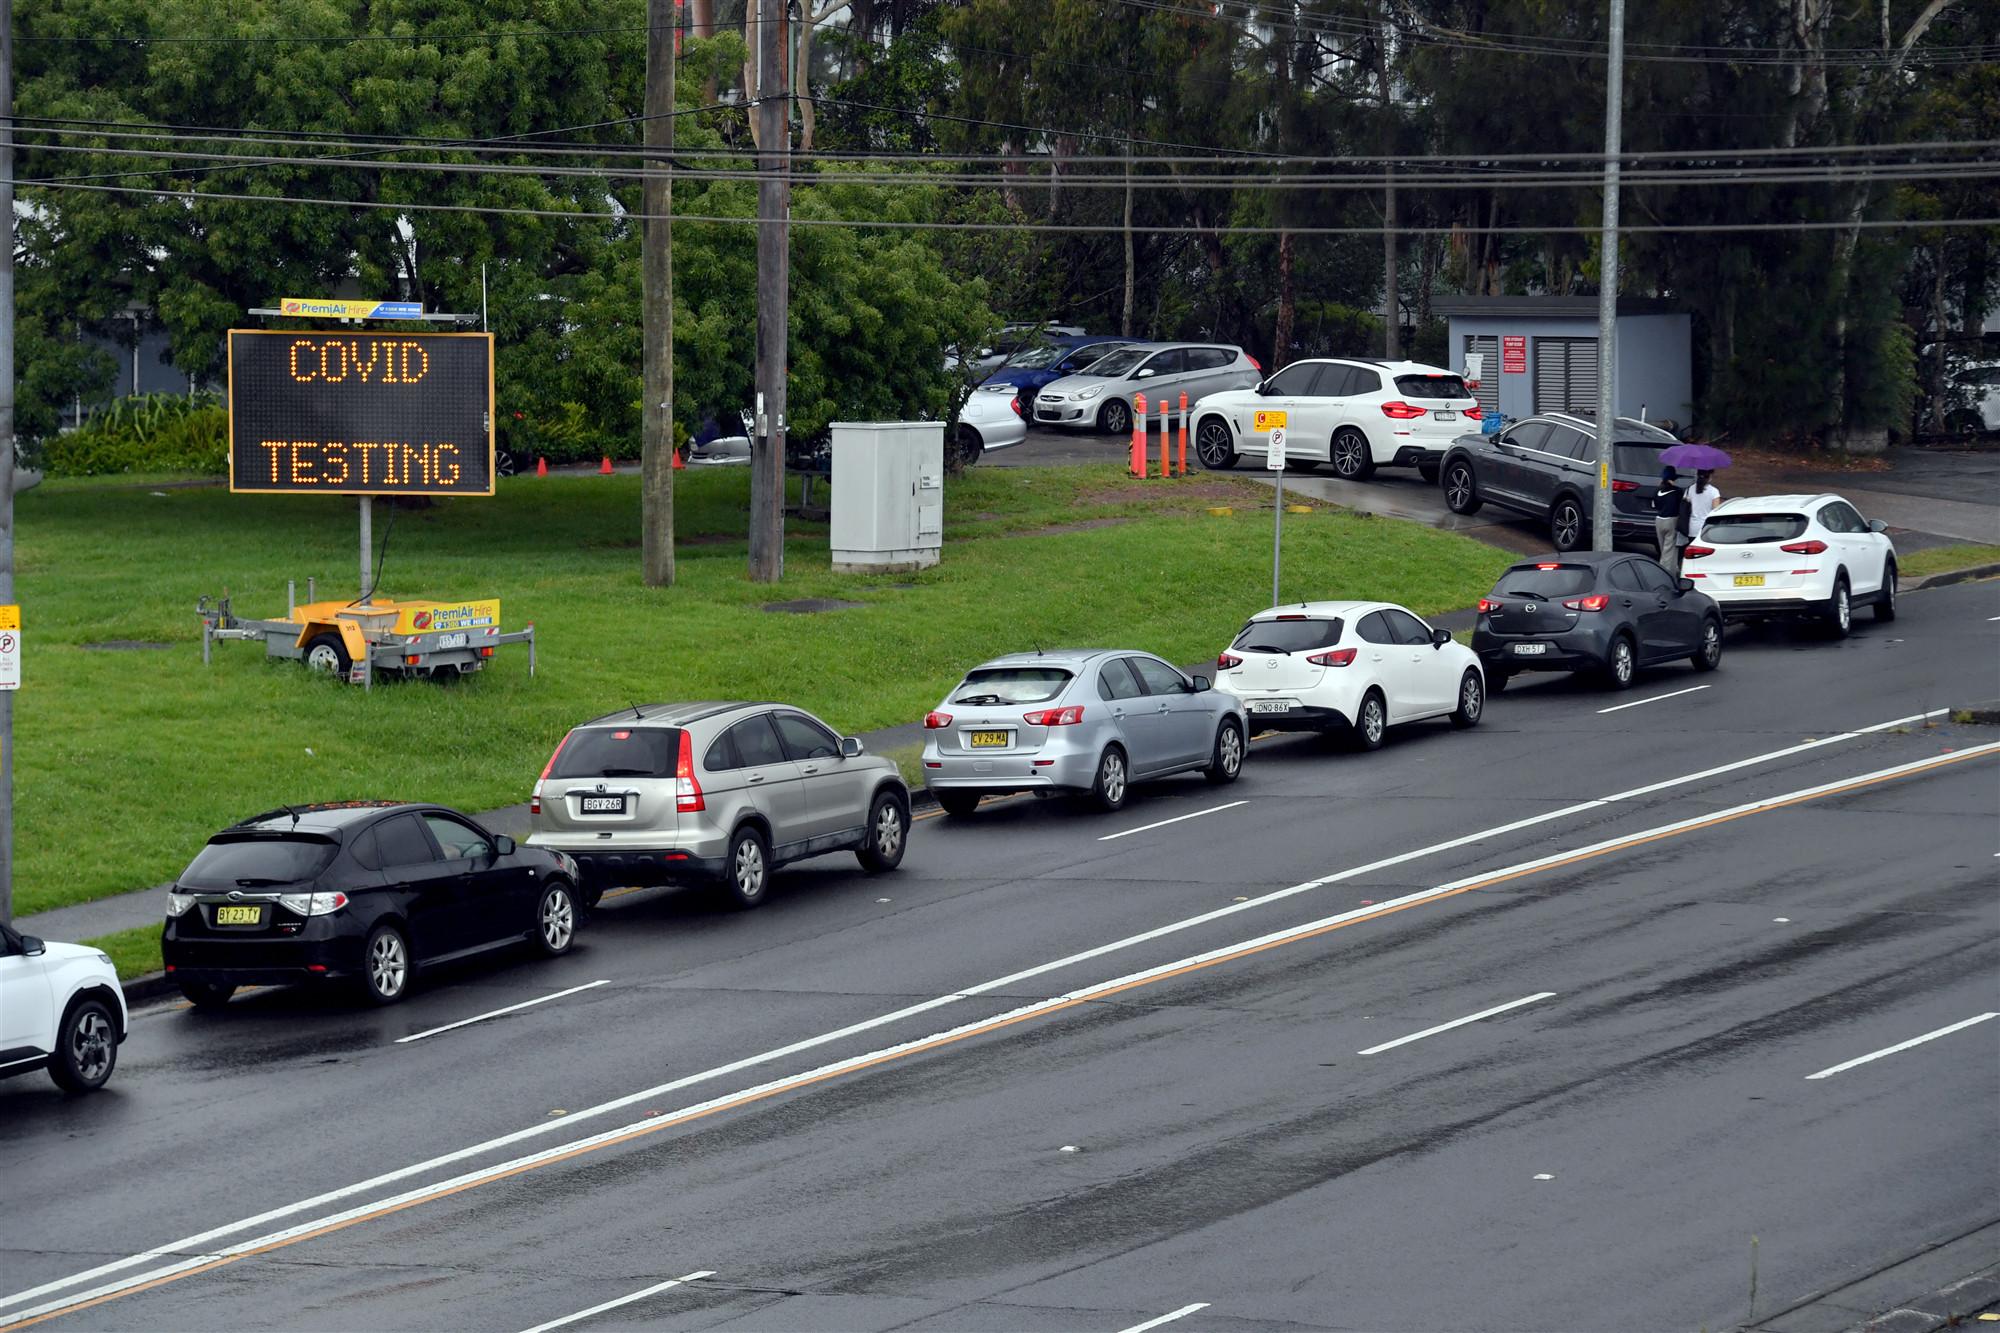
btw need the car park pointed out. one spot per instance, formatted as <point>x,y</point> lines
<point>61,1009</point>
<point>1545,467</point>
<point>1604,612</point>
<point>1101,396</point>
<point>360,891</point>
<point>990,419</point>
<point>716,794</point>
<point>1794,555</point>
<point>1086,722</point>
<point>1356,668</point>
<point>1354,415</point>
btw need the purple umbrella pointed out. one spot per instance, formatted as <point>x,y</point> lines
<point>1698,457</point>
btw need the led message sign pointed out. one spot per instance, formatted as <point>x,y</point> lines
<point>361,413</point>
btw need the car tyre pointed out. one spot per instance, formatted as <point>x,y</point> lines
<point>888,833</point>
<point>555,919</point>
<point>746,870</point>
<point>1429,472</point>
<point>86,1047</point>
<point>1214,445</point>
<point>1225,762</point>
<point>1115,418</point>
<point>590,896</point>
<point>967,445</point>
<point>206,994</point>
<point>1839,612</point>
<point>1112,784</point>
<point>1471,700</point>
<point>506,462</point>
<point>1708,656</point>
<point>1566,523</point>
<point>957,804</point>
<point>326,652</point>
<point>1349,455</point>
<point>385,965</point>
<point>1461,488</point>
<point>1621,665</point>
<point>1371,722</point>
<point>1885,602</point>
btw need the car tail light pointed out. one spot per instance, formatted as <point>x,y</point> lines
<point>1805,548</point>
<point>687,790</point>
<point>1255,364</point>
<point>936,721</point>
<point>1696,552</point>
<point>1339,657</point>
<point>486,652</point>
<point>1055,717</point>
<point>535,804</point>
<point>1227,661</point>
<point>1550,565</point>
<point>1015,403</point>
<point>312,904</point>
<point>1474,414</point>
<point>554,756</point>
<point>178,903</point>
<point>1401,411</point>
<point>1597,601</point>
<point>1623,486</point>
<point>1488,604</point>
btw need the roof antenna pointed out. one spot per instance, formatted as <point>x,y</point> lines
<point>1038,647</point>
<point>293,812</point>
<point>636,714</point>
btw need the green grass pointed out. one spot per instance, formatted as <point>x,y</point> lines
<point>1943,559</point>
<point>134,952</point>
<point>127,760</point>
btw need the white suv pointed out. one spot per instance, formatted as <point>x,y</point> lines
<point>60,1010</point>
<point>1810,555</point>
<point>1356,415</point>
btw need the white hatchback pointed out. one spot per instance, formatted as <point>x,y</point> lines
<point>1359,667</point>
<point>61,1009</point>
<point>1794,555</point>
<point>1355,415</point>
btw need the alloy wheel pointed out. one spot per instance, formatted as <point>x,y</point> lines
<point>1347,449</point>
<point>1711,643</point>
<point>749,869</point>
<point>1567,526</point>
<point>1112,776</point>
<point>1117,417</point>
<point>90,1046</point>
<point>1458,488</point>
<point>1371,720</point>
<point>1471,699</point>
<point>558,920</point>
<point>1231,747</point>
<point>388,965</point>
<point>889,831</point>
<point>1212,444</point>
<point>1843,613</point>
<point>1621,662</point>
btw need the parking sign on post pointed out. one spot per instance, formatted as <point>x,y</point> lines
<point>1274,462</point>
<point>10,647</point>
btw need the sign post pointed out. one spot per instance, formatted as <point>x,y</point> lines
<point>1274,462</point>
<point>10,647</point>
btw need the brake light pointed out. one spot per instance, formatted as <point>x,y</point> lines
<point>1597,601</point>
<point>558,754</point>
<point>1488,604</point>
<point>1015,403</point>
<point>1401,411</point>
<point>687,790</point>
<point>1255,364</point>
<point>1055,717</point>
<point>1696,552</point>
<point>1339,657</point>
<point>1805,548</point>
<point>1551,565</point>
<point>936,721</point>
<point>1474,414</point>
<point>1227,661</point>
<point>1622,486</point>
<point>534,805</point>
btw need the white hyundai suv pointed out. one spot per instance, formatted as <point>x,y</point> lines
<point>1356,415</point>
<point>1794,555</point>
<point>60,1010</point>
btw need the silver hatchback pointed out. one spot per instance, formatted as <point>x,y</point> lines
<point>718,793</point>
<point>1087,721</point>
<point>1100,396</point>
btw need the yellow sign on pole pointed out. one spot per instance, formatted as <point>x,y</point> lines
<point>1266,420</point>
<point>10,647</point>
<point>10,617</point>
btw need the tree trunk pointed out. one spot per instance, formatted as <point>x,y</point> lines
<point>1131,267</point>
<point>767,448</point>
<point>1288,306</point>
<point>656,476</point>
<point>701,16</point>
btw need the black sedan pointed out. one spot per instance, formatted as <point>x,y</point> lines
<point>366,891</point>
<point>1604,612</point>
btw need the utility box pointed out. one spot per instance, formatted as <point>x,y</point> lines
<point>888,495</point>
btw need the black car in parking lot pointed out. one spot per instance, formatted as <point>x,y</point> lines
<point>1605,612</point>
<point>1546,467</point>
<point>362,890</point>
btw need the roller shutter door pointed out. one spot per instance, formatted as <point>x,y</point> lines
<point>1566,375</point>
<point>1488,392</point>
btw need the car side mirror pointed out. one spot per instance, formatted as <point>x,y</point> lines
<point>1685,585</point>
<point>32,946</point>
<point>1440,637</point>
<point>503,845</point>
<point>1145,374</point>
<point>1877,525</point>
<point>850,747</point>
<point>1200,684</point>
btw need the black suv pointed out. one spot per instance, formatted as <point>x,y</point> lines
<point>1545,467</point>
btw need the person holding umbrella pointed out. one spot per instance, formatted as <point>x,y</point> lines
<point>1704,459</point>
<point>1670,520</point>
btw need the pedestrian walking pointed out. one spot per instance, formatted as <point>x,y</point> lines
<point>1701,500</point>
<point>1670,520</point>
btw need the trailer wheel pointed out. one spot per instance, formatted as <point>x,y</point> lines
<point>325,652</point>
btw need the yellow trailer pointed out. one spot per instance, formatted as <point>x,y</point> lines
<point>359,640</point>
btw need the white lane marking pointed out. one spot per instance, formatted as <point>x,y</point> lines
<point>1147,828</point>
<point>198,1244</point>
<point>653,1290</point>
<point>1181,1313</point>
<point>1640,703</point>
<point>1903,1045</point>
<point>481,1018</point>
<point>1459,1022</point>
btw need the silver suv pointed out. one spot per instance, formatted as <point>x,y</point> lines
<point>716,793</point>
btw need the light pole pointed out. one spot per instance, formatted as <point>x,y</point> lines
<point>1607,286</point>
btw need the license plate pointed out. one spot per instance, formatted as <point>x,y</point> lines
<point>981,740</point>
<point>1270,705</point>
<point>1749,580</point>
<point>1445,416</point>
<point>604,805</point>
<point>238,916</point>
<point>451,641</point>
<point>1529,649</point>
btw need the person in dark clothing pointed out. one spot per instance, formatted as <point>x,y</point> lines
<point>1670,520</point>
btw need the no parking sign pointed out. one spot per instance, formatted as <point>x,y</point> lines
<point>10,647</point>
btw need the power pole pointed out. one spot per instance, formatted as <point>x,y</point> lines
<point>1392,327</point>
<point>1607,287</point>
<point>774,214</point>
<point>656,474</point>
<point>7,444</point>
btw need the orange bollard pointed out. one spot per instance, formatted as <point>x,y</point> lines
<point>541,467</point>
<point>1139,436</point>
<point>1183,471</point>
<point>605,470</point>
<point>1166,438</point>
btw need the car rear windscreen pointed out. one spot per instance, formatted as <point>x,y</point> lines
<point>1000,686</point>
<point>1750,529</point>
<point>1634,460</point>
<point>1302,635</point>
<point>257,862</point>
<point>1545,583</point>
<point>1432,386</point>
<point>619,752</point>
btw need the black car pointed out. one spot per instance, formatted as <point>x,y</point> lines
<point>1598,611</point>
<point>1546,467</point>
<point>360,890</point>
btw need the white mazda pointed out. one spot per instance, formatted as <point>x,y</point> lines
<point>1794,555</point>
<point>1359,667</point>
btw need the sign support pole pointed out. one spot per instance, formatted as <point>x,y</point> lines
<point>1274,461</point>
<point>7,444</point>
<point>367,543</point>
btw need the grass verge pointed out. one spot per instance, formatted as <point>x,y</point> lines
<point>138,754</point>
<point>134,952</point>
<point>1944,559</point>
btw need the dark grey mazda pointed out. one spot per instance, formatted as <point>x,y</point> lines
<point>1605,612</point>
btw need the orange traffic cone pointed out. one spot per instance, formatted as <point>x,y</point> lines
<point>541,467</point>
<point>605,470</point>
<point>679,466</point>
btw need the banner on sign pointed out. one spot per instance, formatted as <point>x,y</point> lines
<point>333,308</point>
<point>1271,421</point>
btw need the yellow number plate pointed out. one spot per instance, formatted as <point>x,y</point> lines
<point>238,916</point>
<point>981,739</point>
<point>1749,580</point>
<point>1266,420</point>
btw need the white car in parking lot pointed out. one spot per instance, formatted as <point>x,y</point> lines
<point>61,1009</point>
<point>1794,555</point>
<point>1360,667</point>
<point>1356,415</point>
<point>991,419</point>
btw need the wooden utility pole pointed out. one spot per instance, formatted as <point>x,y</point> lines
<point>1392,327</point>
<point>7,445</point>
<point>656,473</point>
<point>774,213</point>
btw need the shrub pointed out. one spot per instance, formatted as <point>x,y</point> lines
<point>155,432</point>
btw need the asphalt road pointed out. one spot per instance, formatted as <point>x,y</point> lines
<point>1071,1071</point>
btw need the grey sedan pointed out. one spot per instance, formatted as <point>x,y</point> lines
<point>1100,397</point>
<point>1083,721</point>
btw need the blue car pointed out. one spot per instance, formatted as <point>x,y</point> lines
<point>1048,361</point>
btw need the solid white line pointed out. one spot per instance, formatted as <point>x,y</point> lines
<point>481,1018</point>
<point>1184,1311</point>
<point>1904,1045</point>
<point>1638,703</point>
<point>1147,828</point>
<point>200,1244</point>
<point>1459,1022</point>
<point>622,1300</point>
